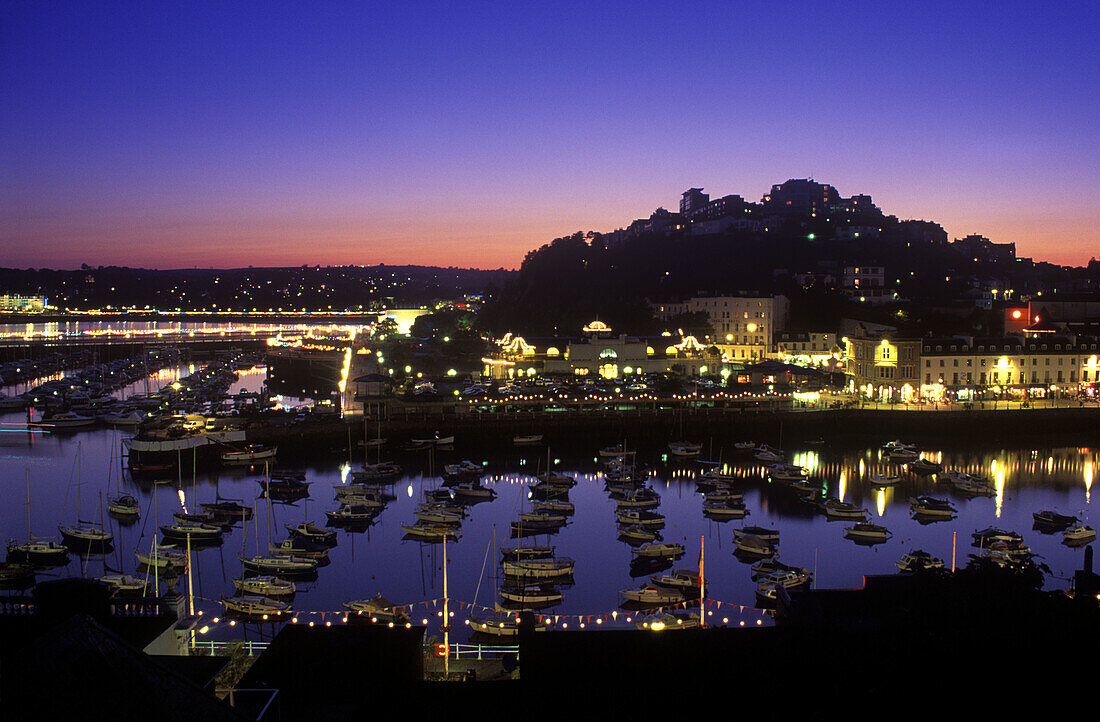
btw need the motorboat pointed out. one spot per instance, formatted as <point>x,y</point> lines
<point>923,466</point>
<point>884,480</point>
<point>752,545</point>
<point>931,509</point>
<point>543,518</point>
<point>787,472</point>
<point>253,454</point>
<point>44,552</point>
<point>640,517</point>
<point>162,556</point>
<point>554,506</point>
<point>280,565</point>
<point>686,580</point>
<point>639,534</point>
<point>1079,534</point>
<point>312,532</point>
<point>643,498</point>
<point>285,487</point>
<point>535,596</point>
<point>16,575</point>
<point>724,496</point>
<point>473,491</point>
<point>767,454</point>
<point>768,587</point>
<point>296,546</point>
<point>526,439</point>
<point>660,550</point>
<point>836,509</point>
<point>653,595</point>
<point>265,586</point>
<point>867,533</point>
<point>668,620</point>
<point>918,561</point>
<point>969,485</point>
<point>684,448</point>
<point>717,476</point>
<point>903,454</point>
<point>526,552</point>
<point>87,537</point>
<point>612,451</point>
<point>123,584</point>
<point>992,535</point>
<point>544,569</point>
<point>439,515</point>
<point>502,625</point>
<point>724,511</point>
<point>1053,520</point>
<point>197,532</point>
<point>228,509</point>
<point>378,609</point>
<point>65,420</point>
<point>431,532</point>
<point>765,567</point>
<point>375,473</point>
<point>256,609</point>
<point>769,535</point>
<point>125,506</point>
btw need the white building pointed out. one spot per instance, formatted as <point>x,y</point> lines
<point>745,327</point>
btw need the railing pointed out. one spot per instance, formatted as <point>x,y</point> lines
<point>213,647</point>
<point>480,651</point>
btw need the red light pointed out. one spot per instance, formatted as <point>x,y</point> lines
<point>1016,313</point>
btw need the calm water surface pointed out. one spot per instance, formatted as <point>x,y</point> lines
<point>378,560</point>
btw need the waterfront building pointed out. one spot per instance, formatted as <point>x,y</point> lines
<point>881,365</point>
<point>22,304</point>
<point>808,348</point>
<point>1013,367</point>
<point>600,353</point>
<point>745,326</point>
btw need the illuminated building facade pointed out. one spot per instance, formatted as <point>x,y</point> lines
<point>600,353</point>
<point>745,327</point>
<point>881,366</point>
<point>964,367</point>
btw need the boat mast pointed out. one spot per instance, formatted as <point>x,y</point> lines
<point>446,617</point>
<point>702,584</point>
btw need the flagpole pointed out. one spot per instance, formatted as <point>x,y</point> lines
<point>702,584</point>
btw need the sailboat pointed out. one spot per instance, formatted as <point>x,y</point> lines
<point>38,550</point>
<point>85,535</point>
<point>124,507</point>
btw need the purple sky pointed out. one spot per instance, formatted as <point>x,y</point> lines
<point>275,133</point>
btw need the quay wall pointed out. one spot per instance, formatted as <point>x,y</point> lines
<point>591,429</point>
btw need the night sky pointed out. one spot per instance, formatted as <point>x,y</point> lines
<point>280,133</point>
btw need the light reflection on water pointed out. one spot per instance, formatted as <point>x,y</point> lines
<point>378,561</point>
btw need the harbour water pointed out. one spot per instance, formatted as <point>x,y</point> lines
<point>379,560</point>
